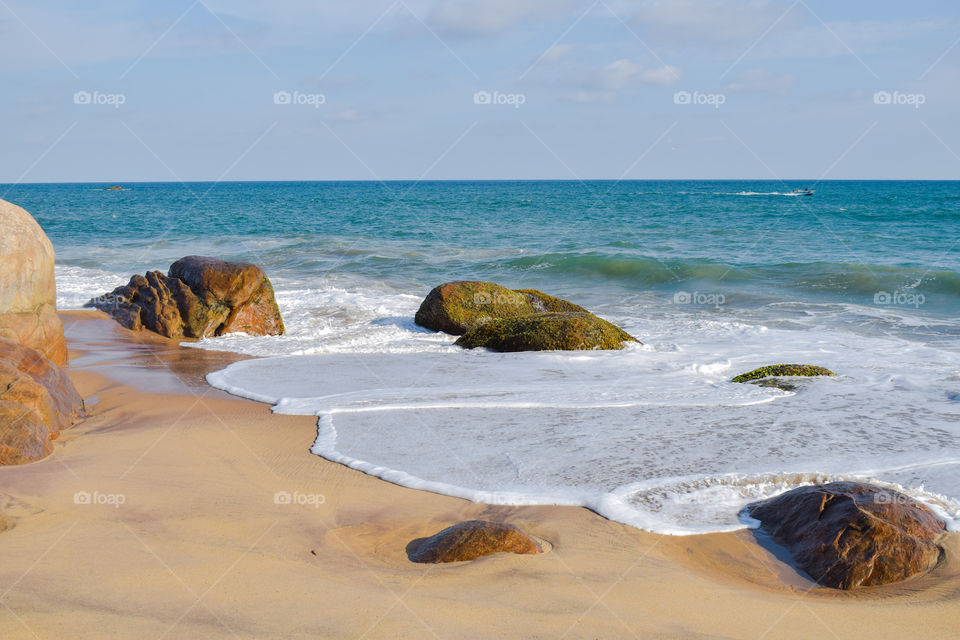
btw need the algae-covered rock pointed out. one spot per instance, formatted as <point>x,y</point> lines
<point>470,540</point>
<point>458,307</point>
<point>568,331</point>
<point>783,370</point>
<point>848,534</point>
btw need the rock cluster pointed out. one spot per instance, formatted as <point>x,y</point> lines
<point>199,297</point>
<point>488,315</point>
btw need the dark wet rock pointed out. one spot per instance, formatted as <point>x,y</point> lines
<point>470,540</point>
<point>198,298</point>
<point>547,332</point>
<point>847,535</point>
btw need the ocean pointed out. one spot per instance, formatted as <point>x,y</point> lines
<point>715,278</point>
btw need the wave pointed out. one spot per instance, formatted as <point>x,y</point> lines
<point>821,277</point>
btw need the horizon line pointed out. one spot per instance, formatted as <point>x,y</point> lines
<point>415,180</point>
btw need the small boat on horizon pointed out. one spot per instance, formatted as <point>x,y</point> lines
<point>803,192</point>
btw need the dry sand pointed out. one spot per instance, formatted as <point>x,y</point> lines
<point>200,549</point>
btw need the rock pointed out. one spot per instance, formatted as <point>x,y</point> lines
<point>28,295</point>
<point>114,188</point>
<point>457,307</point>
<point>783,370</point>
<point>198,298</point>
<point>547,332</point>
<point>37,401</point>
<point>470,540</point>
<point>847,534</point>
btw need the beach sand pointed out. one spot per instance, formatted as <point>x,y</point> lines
<point>200,549</point>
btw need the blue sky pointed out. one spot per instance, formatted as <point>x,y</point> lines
<point>196,90</point>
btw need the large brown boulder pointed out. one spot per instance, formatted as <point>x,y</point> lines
<point>28,295</point>
<point>847,534</point>
<point>37,401</point>
<point>470,540</point>
<point>198,298</point>
<point>457,307</point>
<point>547,332</point>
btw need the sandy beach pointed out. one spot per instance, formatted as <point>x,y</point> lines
<point>182,538</point>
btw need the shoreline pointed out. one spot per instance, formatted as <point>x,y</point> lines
<point>199,548</point>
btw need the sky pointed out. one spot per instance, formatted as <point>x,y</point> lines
<point>190,90</point>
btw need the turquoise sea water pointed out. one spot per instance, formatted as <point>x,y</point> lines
<point>714,277</point>
<point>844,244</point>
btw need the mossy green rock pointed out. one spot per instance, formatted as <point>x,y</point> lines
<point>784,370</point>
<point>458,307</point>
<point>570,331</point>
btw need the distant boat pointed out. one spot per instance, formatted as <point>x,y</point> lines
<point>116,188</point>
<point>803,192</point>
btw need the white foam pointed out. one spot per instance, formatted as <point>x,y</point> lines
<point>77,285</point>
<point>655,438</point>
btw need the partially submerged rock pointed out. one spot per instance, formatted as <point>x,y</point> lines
<point>470,540</point>
<point>37,401</point>
<point>783,370</point>
<point>458,307</point>
<point>198,298</point>
<point>847,534</point>
<point>28,294</point>
<point>547,332</point>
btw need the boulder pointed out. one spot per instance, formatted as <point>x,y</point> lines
<point>458,307</point>
<point>783,370</point>
<point>847,534</point>
<point>546,332</point>
<point>37,401</point>
<point>28,295</point>
<point>198,298</point>
<point>470,540</point>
